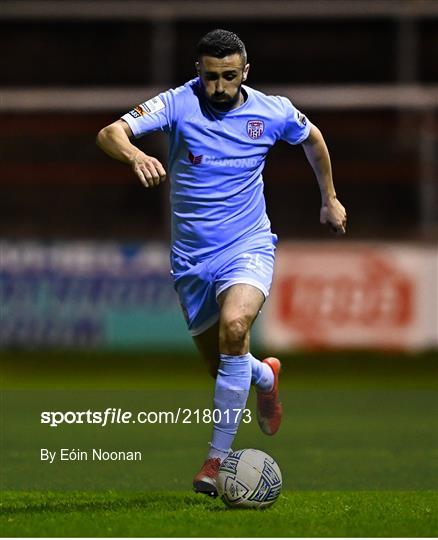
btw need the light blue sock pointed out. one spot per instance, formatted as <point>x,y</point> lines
<point>231,392</point>
<point>262,376</point>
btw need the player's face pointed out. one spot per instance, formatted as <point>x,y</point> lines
<point>222,79</point>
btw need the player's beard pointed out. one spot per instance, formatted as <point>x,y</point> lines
<point>225,105</point>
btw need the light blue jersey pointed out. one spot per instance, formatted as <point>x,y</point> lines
<point>216,161</point>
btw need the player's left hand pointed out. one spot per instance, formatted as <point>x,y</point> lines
<point>334,215</point>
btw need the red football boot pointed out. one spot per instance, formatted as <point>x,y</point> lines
<point>205,480</point>
<point>269,408</point>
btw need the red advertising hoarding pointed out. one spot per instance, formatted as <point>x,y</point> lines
<point>352,295</point>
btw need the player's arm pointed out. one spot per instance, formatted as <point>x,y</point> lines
<point>114,140</point>
<point>332,211</point>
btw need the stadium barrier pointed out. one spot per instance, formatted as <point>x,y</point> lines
<point>110,295</point>
<point>89,295</point>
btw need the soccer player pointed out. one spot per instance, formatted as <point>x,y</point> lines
<point>222,253</point>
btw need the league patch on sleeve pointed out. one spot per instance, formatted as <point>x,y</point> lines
<point>153,105</point>
<point>138,111</point>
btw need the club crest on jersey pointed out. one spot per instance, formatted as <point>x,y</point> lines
<point>255,128</point>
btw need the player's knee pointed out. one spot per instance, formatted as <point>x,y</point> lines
<point>233,333</point>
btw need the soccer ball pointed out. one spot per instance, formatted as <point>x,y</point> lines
<point>249,479</point>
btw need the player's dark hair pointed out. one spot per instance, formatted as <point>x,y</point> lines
<point>220,43</point>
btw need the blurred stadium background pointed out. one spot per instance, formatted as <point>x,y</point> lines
<point>84,246</point>
<point>89,318</point>
<point>86,297</point>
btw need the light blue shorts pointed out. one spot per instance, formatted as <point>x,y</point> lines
<point>199,284</point>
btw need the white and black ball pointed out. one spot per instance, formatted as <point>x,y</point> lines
<point>249,479</point>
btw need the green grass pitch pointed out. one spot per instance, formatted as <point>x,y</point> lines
<point>299,514</point>
<point>358,448</point>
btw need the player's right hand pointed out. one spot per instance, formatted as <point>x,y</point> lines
<point>148,169</point>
